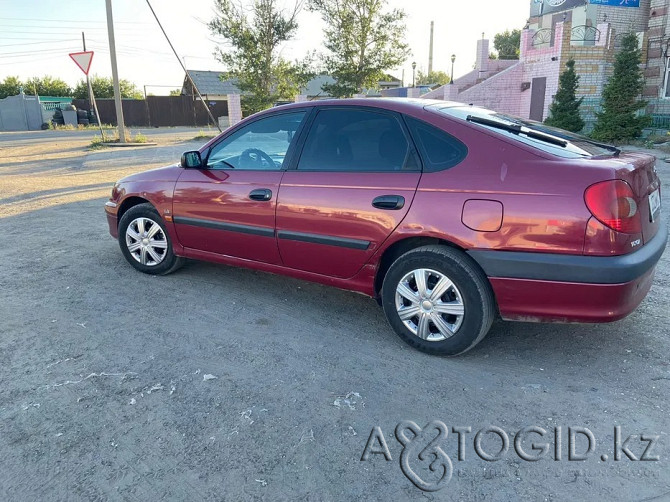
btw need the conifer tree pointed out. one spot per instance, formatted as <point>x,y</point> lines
<point>564,111</point>
<point>619,119</point>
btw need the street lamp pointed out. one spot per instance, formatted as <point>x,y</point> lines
<point>413,74</point>
<point>453,60</point>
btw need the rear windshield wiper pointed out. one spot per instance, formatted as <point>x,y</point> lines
<point>517,129</point>
<point>615,151</point>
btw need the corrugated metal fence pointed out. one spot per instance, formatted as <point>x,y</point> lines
<point>158,111</point>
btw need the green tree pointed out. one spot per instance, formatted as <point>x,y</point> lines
<point>436,78</point>
<point>10,87</point>
<point>103,87</point>
<point>255,37</point>
<point>619,119</point>
<point>47,86</point>
<point>363,41</point>
<point>175,92</point>
<point>564,111</point>
<point>507,44</point>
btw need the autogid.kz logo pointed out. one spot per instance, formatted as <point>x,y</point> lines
<point>428,446</point>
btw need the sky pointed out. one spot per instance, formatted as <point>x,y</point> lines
<point>36,36</point>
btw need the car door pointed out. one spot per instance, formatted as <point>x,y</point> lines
<point>228,207</point>
<point>352,185</point>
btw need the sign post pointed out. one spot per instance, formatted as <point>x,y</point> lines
<point>83,61</point>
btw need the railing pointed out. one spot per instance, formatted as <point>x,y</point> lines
<point>52,105</point>
<point>542,37</point>
<point>660,121</point>
<point>588,34</point>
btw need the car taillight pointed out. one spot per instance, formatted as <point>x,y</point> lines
<point>613,204</point>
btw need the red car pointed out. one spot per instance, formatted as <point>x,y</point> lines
<point>448,214</point>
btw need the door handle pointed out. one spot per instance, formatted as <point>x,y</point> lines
<point>262,194</point>
<point>389,202</point>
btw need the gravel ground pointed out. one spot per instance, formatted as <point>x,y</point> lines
<point>217,383</point>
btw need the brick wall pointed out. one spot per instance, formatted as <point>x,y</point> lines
<point>543,61</point>
<point>501,93</point>
<point>593,61</point>
<point>593,64</point>
<point>655,66</point>
<point>625,19</point>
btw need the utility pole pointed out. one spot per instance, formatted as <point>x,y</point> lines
<point>183,66</point>
<point>91,97</point>
<point>430,50</point>
<point>115,73</point>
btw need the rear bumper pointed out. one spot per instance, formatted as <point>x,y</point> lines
<point>112,221</point>
<point>569,288</point>
<point>542,301</point>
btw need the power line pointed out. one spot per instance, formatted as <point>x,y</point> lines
<point>33,38</point>
<point>209,112</point>
<point>46,42</point>
<point>27,61</point>
<point>30,53</point>
<point>59,27</point>
<point>68,20</point>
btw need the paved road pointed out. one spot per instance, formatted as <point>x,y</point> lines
<point>59,135</point>
<point>217,383</point>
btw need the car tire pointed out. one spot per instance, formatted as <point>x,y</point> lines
<point>447,320</point>
<point>145,242</point>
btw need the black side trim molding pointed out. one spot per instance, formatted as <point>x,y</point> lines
<point>572,268</point>
<point>323,239</point>
<point>231,227</point>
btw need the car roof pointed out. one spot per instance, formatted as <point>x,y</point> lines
<point>402,105</point>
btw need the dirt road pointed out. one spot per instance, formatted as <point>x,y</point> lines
<point>217,383</point>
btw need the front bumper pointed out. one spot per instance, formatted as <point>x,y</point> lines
<point>569,288</point>
<point>112,220</point>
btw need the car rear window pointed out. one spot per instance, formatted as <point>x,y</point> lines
<point>574,145</point>
<point>439,150</point>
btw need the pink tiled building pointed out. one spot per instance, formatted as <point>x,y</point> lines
<point>588,31</point>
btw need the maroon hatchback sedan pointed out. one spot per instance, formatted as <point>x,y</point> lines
<point>447,214</point>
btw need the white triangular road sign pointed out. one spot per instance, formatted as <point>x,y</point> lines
<point>83,60</point>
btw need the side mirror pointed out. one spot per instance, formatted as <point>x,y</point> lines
<point>191,160</point>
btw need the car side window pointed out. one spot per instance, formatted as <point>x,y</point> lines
<point>261,145</point>
<point>356,140</point>
<point>439,150</point>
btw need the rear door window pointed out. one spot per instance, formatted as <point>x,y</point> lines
<point>347,139</point>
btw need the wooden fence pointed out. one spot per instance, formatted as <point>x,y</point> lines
<point>158,111</point>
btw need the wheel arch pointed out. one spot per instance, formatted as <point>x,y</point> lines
<point>400,247</point>
<point>127,203</point>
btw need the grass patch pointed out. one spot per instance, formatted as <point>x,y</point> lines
<point>78,127</point>
<point>657,139</point>
<point>98,142</point>
<point>202,135</point>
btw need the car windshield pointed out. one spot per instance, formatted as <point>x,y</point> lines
<point>549,139</point>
